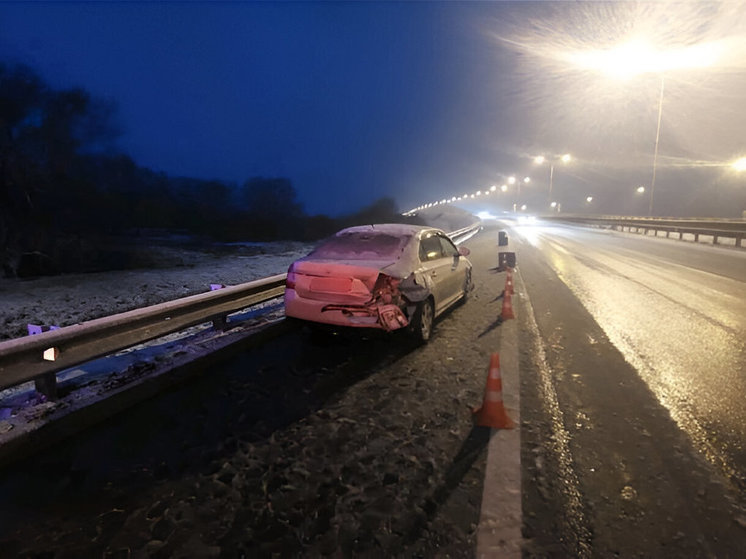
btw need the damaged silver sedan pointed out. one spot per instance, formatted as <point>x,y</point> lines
<point>388,276</point>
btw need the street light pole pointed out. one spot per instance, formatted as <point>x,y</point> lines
<point>540,159</point>
<point>655,154</point>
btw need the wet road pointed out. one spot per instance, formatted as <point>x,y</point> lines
<point>633,375</point>
<point>677,312</point>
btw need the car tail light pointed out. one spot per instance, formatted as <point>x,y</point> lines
<point>386,289</point>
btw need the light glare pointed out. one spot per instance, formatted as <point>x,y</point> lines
<point>638,56</point>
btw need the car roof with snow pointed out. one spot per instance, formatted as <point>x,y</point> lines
<point>385,246</point>
<point>398,229</point>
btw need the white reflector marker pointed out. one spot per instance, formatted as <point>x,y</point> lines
<point>51,354</point>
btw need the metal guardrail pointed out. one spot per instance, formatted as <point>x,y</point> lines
<point>716,228</point>
<point>41,356</point>
<point>465,233</point>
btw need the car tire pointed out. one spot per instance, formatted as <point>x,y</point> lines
<point>422,322</point>
<point>468,287</point>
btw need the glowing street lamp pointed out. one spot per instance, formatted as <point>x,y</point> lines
<point>525,180</point>
<point>739,164</point>
<point>589,199</point>
<point>641,190</point>
<point>640,57</point>
<point>540,159</point>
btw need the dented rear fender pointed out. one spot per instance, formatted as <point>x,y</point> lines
<point>414,288</point>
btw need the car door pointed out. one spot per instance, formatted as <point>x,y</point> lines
<point>453,278</point>
<point>436,268</point>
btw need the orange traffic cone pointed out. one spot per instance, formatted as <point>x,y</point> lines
<point>492,413</point>
<point>507,311</point>
<point>509,282</point>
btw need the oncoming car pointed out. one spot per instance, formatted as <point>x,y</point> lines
<point>388,276</point>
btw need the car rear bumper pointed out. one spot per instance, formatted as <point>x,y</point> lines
<point>385,317</point>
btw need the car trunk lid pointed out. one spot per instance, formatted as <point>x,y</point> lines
<point>333,281</point>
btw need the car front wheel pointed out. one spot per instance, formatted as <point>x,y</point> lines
<point>468,286</point>
<point>422,322</point>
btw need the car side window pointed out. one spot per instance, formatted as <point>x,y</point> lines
<point>430,249</point>
<point>447,247</point>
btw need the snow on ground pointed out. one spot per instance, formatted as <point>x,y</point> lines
<point>72,298</point>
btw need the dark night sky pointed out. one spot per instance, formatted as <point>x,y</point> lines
<point>418,101</point>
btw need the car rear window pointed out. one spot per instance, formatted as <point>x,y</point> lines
<point>360,246</point>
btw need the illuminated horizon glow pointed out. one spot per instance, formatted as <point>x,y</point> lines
<point>739,164</point>
<point>605,122</point>
<point>639,56</point>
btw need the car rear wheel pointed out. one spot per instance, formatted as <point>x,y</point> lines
<point>422,322</point>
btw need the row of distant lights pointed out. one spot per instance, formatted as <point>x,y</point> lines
<point>493,188</point>
<point>539,160</point>
<point>738,165</point>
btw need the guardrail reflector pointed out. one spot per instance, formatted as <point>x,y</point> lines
<point>51,354</point>
<point>34,329</point>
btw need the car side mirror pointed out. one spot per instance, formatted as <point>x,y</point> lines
<point>463,251</point>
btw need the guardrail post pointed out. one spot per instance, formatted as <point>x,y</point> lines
<point>47,385</point>
<point>739,240</point>
<point>220,322</point>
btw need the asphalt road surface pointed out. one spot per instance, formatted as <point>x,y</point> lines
<point>633,380</point>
